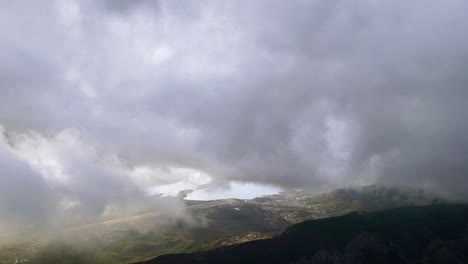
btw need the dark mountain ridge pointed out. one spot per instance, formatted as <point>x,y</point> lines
<point>425,234</point>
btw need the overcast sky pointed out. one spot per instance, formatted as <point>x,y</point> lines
<point>101,100</point>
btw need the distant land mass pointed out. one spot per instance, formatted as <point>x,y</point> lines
<point>215,224</point>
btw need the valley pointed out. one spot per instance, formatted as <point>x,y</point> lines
<point>211,224</point>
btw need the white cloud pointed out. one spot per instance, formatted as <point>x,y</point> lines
<point>69,12</point>
<point>235,189</point>
<point>161,54</point>
<point>192,179</point>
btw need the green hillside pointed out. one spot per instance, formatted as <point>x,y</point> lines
<point>212,224</point>
<point>428,234</point>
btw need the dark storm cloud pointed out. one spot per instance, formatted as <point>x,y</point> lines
<point>124,6</point>
<point>310,94</point>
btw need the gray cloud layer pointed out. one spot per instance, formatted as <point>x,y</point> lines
<point>307,94</point>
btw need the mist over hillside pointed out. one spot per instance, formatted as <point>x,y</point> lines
<point>212,224</point>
